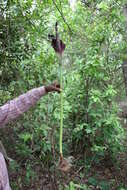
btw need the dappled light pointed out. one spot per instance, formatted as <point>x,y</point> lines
<point>63,88</point>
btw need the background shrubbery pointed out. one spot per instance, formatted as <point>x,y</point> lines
<point>93,80</point>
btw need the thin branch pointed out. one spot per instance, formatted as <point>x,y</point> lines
<point>61,13</point>
<point>60,5</point>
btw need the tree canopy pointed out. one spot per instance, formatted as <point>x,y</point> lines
<point>94,79</point>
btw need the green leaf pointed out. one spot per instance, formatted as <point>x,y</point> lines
<point>103,5</point>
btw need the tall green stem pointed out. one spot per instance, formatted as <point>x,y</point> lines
<point>61,108</point>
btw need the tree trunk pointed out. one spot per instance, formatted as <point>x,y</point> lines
<point>124,66</point>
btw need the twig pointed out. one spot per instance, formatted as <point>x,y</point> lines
<point>61,13</point>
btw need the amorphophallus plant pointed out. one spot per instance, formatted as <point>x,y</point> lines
<point>59,47</point>
<point>56,43</point>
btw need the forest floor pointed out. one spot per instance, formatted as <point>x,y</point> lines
<point>105,175</point>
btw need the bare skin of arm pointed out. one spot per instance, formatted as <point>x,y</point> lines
<point>13,110</point>
<point>24,102</point>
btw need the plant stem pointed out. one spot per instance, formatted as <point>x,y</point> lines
<point>61,107</point>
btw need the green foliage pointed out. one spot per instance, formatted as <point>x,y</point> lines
<point>103,185</point>
<point>94,37</point>
<point>93,183</point>
<point>73,186</point>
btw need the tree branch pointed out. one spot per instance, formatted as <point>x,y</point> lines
<point>61,13</point>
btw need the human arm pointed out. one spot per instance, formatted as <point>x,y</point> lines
<point>21,104</point>
<point>4,180</point>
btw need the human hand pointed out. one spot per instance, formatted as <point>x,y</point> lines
<point>54,87</point>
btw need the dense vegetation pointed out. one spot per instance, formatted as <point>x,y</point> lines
<point>95,36</point>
